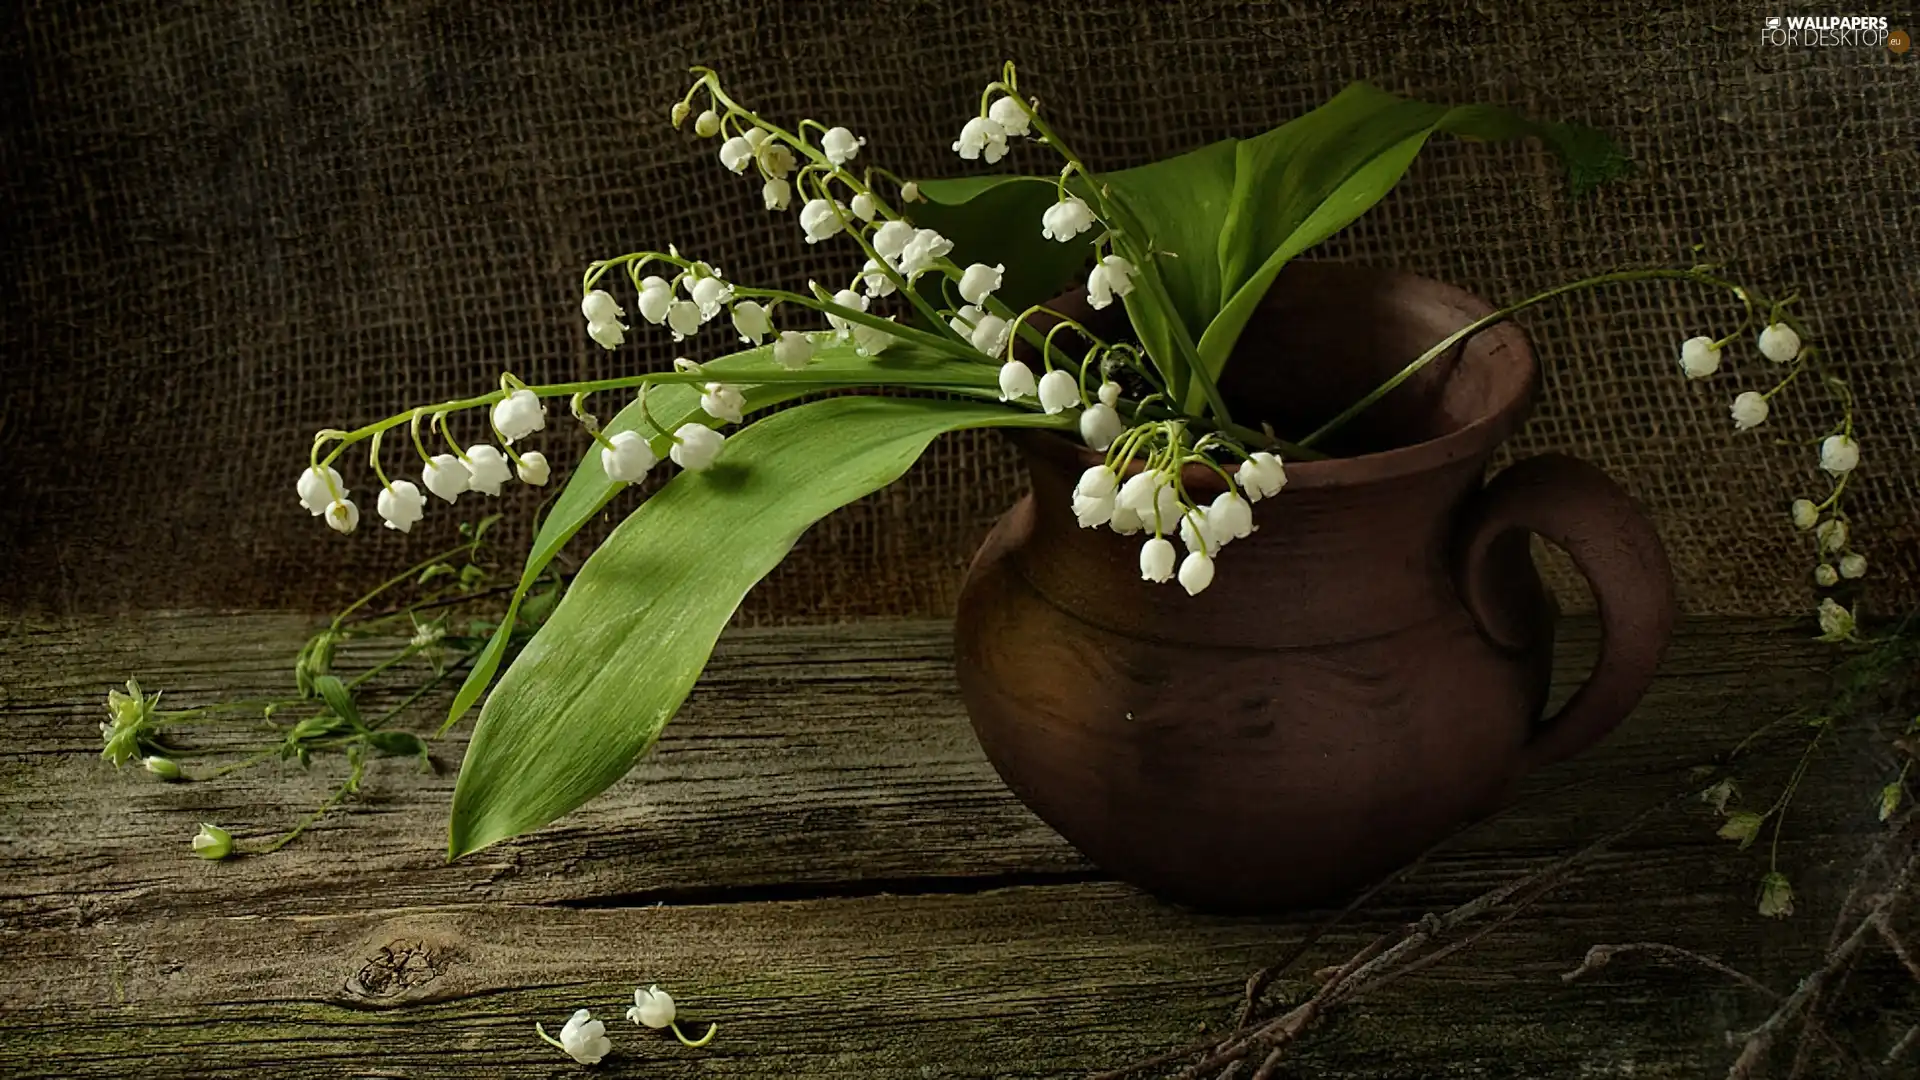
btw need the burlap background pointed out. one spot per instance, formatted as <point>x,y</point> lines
<point>231,223</point>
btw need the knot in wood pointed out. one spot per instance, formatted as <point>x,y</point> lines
<point>397,967</point>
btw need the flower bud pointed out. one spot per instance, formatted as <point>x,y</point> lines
<point>707,124</point>
<point>1805,514</point>
<point>533,468</point>
<point>910,192</point>
<point>1826,576</point>
<point>1839,454</point>
<point>1779,343</point>
<point>1109,394</point>
<point>864,207</point>
<point>679,113</point>
<point>1853,565</point>
<point>1832,534</point>
<point>212,842</point>
<point>163,768</point>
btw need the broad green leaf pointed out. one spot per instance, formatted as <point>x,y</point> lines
<point>1180,207</point>
<point>588,490</point>
<point>996,220</point>
<point>593,689</point>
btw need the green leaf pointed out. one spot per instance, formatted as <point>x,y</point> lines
<point>595,686</point>
<point>996,220</point>
<point>339,700</point>
<point>1181,207</point>
<point>588,490</point>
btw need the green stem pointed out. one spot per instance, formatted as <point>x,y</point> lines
<point>351,782</point>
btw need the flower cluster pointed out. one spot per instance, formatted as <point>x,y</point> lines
<point>585,1039</point>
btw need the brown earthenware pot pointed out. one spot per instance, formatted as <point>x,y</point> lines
<point>1368,669</point>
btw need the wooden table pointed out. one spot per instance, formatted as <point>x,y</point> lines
<point>818,857</point>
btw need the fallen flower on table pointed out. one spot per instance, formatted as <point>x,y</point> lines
<point>212,842</point>
<point>654,1008</point>
<point>582,1038</point>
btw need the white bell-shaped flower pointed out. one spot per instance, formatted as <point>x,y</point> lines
<point>519,415</point>
<point>1092,511</point>
<point>793,350</point>
<point>600,306</point>
<point>585,1039</point>
<point>735,153</point>
<point>1111,277</point>
<point>608,335</point>
<point>870,340</point>
<point>1839,454</point>
<point>707,124</point>
<point>1196,532</point>
<point>775,160</point>
<point>757,138</point>
<point>819,220</point>
<point>989,335</point>
<point>1066,219</point>
<point>1196,572</point>
<point>1110,394</point>
<point>1230,516</point>
<point>317,487</point>
<point>846,298</point>
<point>890,239</point>
<point>1832,535</point>
<point>1779,343</point>
<point>695,447</point>
<point>1013,119</point>
<point>1153,496</point>
<point>1805,514</point>
<point>1698,357</point>
<point>652,1007</point>
<point>723,402</point>
<point>1059,391</point>
<point>1097,480</point>
<point>864,206</point>
<point>840,146</point>
<point>487,469</point>
<point>752,322</point>
<point>446,476</point>
<point>875,279</point>
<point>342,515</point>
<point>926,248</point>
<point>656,296</point>
<point>1261,475</point>
<point>628,458</point>
<point>1157,559</point>
<point>401,505</point>
<point>1017,381</point>
<point>776,193</point>
<point>980,280</point>
<point>965,319</point>
<point>533,468</point>
<point>711,293</point>
<point>981,137</point>
<point>683,318</point>
<point>910,192</point>
<point>1749,411</point>
<point>1100,425</point>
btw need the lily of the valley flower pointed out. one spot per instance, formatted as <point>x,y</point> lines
<point>735,153</point>
<point>1779,343</point>
<point>1853,565</point>
<point>608,335</point>
<point>628,458</point>
<point>533,468</point>
<point>584,1038</point>
<point>1196,533</point>
<point>723,402</point>
<point>870,340</point>
<point>1230,516</point>
<point>1805,514</point>
<point>342,515</point>
<point>776,193</point>
<point>1839,454</point>
<point>982,137</point>
<point>1699,357</point>
<point>980,280</point>
<point>1112,277</point>
<point>683,318</point>
<point>921,252</point>
<point>1100,425</point>
<point>890,240</point>
<point>752,322</point>
<point>1110,394</point>
<point>600,306</point>
<point>164,768</point>
<point>487,469</point>
<point>1156,560</point>
<point>1016,381</point>
<point>519,414</point>
<point>695,446</point>
<point>875,279</point>
<point>1836,622</point>
<point>1093,496</point>
<point>775,159</point>
<point>1749,411</point>
<point>1013,119</point>
<point>846,298</point>
<point>401,505</point>
<point>1826,576</point>
<point>212,842</point>
<point>1832,534</point>
<point>707,124</point>
<point>819,220</point>
<point>652,1007</point>
<point>1059,391</point>
<point>910,192</point>
<point>1152,497</point>
<point>965,319</point>
<point>864,207</point>
<point>793,350</point>
<point>989,335</point>
<point>1261,475</point>
<point>1196,572</point>
<point>1066,219</point>
<point>656,296</point>
<point>446,476</point>
<point>316,487</point>
<point>711,293</point>
<point>840,146</point>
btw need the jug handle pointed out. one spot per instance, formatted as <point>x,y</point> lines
<point>1580,509</point>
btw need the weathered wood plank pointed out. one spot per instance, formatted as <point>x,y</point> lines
<point>818,855</point>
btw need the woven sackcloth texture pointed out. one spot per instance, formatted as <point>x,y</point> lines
<point>232,223</point>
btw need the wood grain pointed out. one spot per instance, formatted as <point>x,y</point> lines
<point>818,856</point>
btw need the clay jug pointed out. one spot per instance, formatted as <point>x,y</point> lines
<point>1367,671</point>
